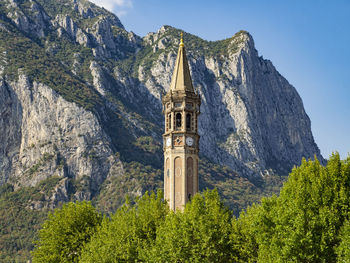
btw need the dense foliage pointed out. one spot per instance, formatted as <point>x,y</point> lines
<point>200,234</point>
<point>304,223</point>
<point>16,235</point>
<point>19,222</point>
<point>308,222</point>
<point>343,250</point>
<point>65,232</point>
<point>129,234</point>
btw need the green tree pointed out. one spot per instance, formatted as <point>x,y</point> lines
<point>199,234</point>
<point>252,229</point>
<point>308,222</point>
<point>130,232</point>
<point>304,222</point>
<point>343,250</point>
<point>64,233</point>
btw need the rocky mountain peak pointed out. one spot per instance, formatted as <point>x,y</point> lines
<point>106,101</point>
<point>244,41</point>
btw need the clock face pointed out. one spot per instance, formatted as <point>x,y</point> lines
<point>168,142</point>
<point>189,141</point>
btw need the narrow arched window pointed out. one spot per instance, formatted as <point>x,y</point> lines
<point>195,123</point>
<point>188,121</point>
<point>169,123</point>
<point>178,121</point>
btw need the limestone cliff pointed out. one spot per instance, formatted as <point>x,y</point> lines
<point>101,99</point>
<point>252,119</point>
<point>43,135</point>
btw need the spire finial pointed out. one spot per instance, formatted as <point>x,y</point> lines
<point>182,40</point>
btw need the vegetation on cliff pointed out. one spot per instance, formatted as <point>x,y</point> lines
<point>307,222</point>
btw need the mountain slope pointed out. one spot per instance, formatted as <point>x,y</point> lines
<point>80,108</point>
<point>253,120</point>
<point>81,96</point>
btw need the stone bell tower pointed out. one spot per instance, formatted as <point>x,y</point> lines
<point>180,139</point>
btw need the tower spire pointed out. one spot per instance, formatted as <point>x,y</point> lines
<point>181,80</point>
<point>182,40</point>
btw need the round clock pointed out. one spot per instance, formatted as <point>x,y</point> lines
<point>168,142</point>
<point>189,141</point>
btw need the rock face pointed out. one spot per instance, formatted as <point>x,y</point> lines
<point>252,119</point>
<point>47,136</point>
<point>35,25</point>
<point>256,117</point>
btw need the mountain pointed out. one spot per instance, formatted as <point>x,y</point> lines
<point>80,111</point>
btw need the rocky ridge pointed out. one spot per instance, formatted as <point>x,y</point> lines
<point>252,120</point>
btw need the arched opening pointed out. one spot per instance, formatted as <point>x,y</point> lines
<point>190,177</point>
<point>178,182</point>
<point>195,127</point>
<point>167,179</point>
<point>169,122</point>
<point>194,122</point>
<point>188,121</point>
<point>178,121</point>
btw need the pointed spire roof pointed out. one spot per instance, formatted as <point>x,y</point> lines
<point>181,80</point>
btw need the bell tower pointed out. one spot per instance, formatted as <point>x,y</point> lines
<point>180,139</point>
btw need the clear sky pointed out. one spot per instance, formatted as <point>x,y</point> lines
<point>307,41</point>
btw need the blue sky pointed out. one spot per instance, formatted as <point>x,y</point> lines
<point>307,41</point>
